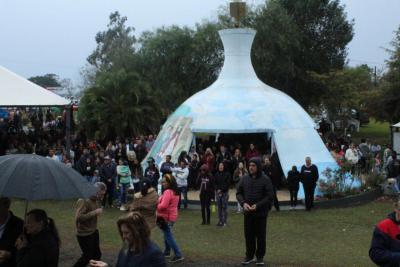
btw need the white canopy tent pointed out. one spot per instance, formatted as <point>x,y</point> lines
<point>17,91</point>
<point>396,137</point>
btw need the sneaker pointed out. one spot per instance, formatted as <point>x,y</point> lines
<point>122,208</point>
<point>219,224</point>
<point>167,255</point>
<point>247,261</point>
<point>177,259</point>
<point>260,262</point>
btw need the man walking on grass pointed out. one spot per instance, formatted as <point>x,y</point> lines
<point>255,194</point>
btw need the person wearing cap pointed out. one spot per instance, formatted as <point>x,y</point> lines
<point>255,194</point>
<point>108,175</point>
<point>145,202</point>
<point>385,244</point>
<point>10,229</point>
<point>151,172</point>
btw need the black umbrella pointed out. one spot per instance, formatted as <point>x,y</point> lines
<point>33,177</point>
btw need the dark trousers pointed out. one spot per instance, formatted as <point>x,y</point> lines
<point>205,202</point>
<point>309,196</point>
<point>255,232</point>
<point>90,246</point>
<point>109,195</point>
<point>293,196</point>
<point>276,201</point>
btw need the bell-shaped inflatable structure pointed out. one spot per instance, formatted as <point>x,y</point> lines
<point>238,102</point>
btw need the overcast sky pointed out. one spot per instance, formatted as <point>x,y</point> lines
<point>56,36</point>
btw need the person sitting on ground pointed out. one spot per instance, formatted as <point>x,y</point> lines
<point>10,229</point>
<point>385,244</point>
<point>40,246</point>
<point>145,202</point>
<point>138,249</point>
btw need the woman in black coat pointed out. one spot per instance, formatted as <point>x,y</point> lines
<point>293,180</point>
<point>205,183</point>
<point>41,244</point>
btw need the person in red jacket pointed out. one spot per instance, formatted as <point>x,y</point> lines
<point>385,244</point>
<point>167,213</point>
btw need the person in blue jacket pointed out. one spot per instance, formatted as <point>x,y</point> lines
<point>385,244</point>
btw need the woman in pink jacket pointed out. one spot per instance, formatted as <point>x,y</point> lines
<point>167,213</point>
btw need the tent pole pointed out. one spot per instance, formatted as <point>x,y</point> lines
<point>68,130</point>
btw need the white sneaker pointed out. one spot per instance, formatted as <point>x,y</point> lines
<point>122,208</point>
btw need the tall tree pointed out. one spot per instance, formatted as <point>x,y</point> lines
<point>47,80</point>
<point>386,102</point>
<point>115,46</point>
<point>119,104</point>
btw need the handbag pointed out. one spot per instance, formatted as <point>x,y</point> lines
<point>161,223</point>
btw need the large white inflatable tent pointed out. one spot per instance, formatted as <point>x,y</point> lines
<point>238,102</point>
<point>395,129</point>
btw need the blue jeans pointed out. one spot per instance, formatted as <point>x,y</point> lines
<point>170,241</point>
<point>123,188</point>
<point>222,204</point>
<point>183,190</point>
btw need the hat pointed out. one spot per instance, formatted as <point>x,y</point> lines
<point>107,157</point>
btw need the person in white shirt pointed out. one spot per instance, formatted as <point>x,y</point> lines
<point>352,156</point>
<point>181,174</point>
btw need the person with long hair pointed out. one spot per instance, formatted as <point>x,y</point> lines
<point>239,172</point>
<point>138,249</point>
<point>205,181</point>
<point>167,213</point>
<point>222,182</point>
<point>209,159</point>
<point>40,245</point>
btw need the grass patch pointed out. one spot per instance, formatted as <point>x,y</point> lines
<point>374,130</point>
<point>335,237</point>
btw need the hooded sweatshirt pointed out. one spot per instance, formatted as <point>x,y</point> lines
<point>385,244</point>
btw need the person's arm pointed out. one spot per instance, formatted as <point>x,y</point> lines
<point>81,214</point>
<point>240,192</point>
<point>316,173</point>
<point>165,200</point>
<point>268,195</point>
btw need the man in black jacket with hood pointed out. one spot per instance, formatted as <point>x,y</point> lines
<point>255,194</point>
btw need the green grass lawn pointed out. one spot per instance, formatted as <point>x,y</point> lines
<point>333,237</point>
<point>374,131</point>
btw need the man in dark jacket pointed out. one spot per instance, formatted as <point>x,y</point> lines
<point>309,177</point>
<point>10,229</point>
<point>152,173</point>
<point>222,181</point>
<point>255,194</point>
<point>108,175</point>
<point>385,245</point>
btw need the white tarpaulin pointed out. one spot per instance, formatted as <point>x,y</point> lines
<point>396,137</point>
<point>238,102</point>
<point>18,91</point>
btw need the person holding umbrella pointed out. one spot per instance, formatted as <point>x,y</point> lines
<point>40,246</point>
<point>86,216</point>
